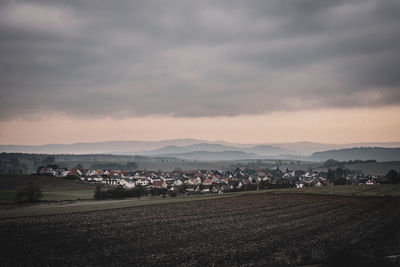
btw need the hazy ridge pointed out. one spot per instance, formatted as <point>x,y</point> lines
<point>194,149</point>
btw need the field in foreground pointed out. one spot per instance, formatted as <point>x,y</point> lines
<point>259,229</point>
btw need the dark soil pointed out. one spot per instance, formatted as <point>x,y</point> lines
<point>261,230</point>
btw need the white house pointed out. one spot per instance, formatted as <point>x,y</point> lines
<point>369,182</point>
<point>177,183</point>
<point>142,182</point>
<point>98,179</point>
<point>47,171</point>
<point>127,184</point>
<point>207,182</point>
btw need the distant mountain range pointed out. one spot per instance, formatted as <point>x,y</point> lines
<point>260,150</point>
<point>213,156</point>
<point>110,147</point>
<point>194,149</point>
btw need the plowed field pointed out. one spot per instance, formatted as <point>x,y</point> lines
<point>264,229</point>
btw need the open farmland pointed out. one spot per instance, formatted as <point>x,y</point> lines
<point>47,184</point>
<point>260,229</point>
<point>54,189</point>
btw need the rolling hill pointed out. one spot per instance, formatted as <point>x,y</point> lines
<point>189,148</point>
<point>213,156</point>
<point>114,147</point>
<point>260,150</point>
<point>361,153</point>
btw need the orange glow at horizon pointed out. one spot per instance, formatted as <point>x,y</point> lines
<point>325,126</point>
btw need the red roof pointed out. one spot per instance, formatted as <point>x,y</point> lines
<point>207,181</point>
<point>158,183</point>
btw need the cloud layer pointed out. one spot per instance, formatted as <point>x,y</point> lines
<point>196,58</point>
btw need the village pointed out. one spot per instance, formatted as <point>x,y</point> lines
<point>214,181</point>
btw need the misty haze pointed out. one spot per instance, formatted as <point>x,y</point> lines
<point>199,133</point>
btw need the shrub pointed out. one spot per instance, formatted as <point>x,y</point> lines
<point>393,177</point>
<point>331,163</point>
<point>340,181</point>
<point>30,193</point>
<point>265,185</point>
<point>172,193</point>
<point>158,191</point>
<point>72,177</point>
<point>117,193</point>
<point>98,194</point>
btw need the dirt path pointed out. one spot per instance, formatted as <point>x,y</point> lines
<point>50,208</point>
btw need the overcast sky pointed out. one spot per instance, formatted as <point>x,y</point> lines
<point>193,61</point>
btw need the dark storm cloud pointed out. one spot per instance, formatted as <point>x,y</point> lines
<point>196,58</point>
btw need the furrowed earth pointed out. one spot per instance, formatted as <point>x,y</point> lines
<point>254,229</point>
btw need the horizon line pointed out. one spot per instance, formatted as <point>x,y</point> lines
<point>203,140</point>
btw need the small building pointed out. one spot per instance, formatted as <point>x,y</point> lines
<point>207,182</point>
<point>142,182</point>
<point>319,184</point>
<point>160,184</point>
<point>369,182</point>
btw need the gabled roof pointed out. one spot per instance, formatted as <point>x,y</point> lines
<point>158,183</point>
<point>207,181</point>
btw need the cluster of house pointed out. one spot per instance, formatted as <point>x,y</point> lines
<point>204,181</point>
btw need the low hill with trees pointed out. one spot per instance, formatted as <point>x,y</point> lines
<point>359,153</point>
